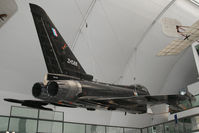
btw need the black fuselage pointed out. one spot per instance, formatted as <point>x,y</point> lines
<point>88,94</point>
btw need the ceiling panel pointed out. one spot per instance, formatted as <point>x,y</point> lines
<point>84,5</point>
<point>157,73</point>
<point>130,19</point>
<point>114,29</point>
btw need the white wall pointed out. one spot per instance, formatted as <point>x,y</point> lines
<point>186,113</point>
<point>130,120</point>
<point>103,117</point>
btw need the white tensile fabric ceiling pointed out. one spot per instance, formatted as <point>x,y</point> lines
<point>118,45</point>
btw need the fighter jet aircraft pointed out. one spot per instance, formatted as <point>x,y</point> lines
<point>68,85</point>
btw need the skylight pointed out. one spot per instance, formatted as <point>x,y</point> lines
<point>195,2</point>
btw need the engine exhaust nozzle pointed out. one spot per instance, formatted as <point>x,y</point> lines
<point>52,88</point>
<point>37,89</point>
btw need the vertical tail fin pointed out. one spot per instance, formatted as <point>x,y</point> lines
<point>57,54</point>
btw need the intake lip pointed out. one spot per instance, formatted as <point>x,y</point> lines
<point>37,89</point>
<point>52,88</point>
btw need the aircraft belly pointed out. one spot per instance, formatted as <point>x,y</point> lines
<point>92,90</point>
<point>71,90</point>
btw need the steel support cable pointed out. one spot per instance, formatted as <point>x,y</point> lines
<point>88,42</point>
<point>84,18</point>
<point>114,33</point>
<point>146,33</point>
<point>94,61</point>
